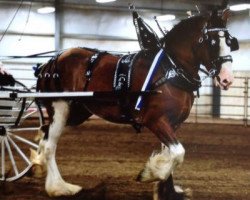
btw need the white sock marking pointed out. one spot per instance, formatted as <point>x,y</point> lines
<point>55,185</point>
<point>161,165</point>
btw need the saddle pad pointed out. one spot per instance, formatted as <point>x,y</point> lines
<point>122,74</point>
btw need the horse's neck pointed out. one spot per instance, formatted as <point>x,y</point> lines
<point>184,59</point>
<point>180,42</point>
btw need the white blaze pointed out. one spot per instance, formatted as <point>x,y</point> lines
<point>226,73</point>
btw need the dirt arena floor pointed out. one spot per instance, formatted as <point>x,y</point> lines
<point>105,159</point>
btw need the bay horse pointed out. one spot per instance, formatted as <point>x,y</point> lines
<point>198,40</point>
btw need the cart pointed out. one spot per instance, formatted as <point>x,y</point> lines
<point>20,118</point>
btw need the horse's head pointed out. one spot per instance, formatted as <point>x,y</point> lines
<point>205,40</point>
<point>217,44</point>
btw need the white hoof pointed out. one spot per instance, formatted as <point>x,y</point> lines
<point>63,189</point>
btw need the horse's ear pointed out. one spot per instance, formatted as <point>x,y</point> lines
<point>224,4</point>
<point>226,14</point>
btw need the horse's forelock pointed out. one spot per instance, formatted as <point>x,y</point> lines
<point>219,18</point>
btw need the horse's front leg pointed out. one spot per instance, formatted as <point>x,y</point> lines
<point>160,166</point>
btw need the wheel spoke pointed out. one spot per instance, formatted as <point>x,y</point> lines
<point>24,140</point>
<point>29,114</point>
<point>24,129</point>
<point>3,159</point>
<point>11,156</point>
<point>20,152</point>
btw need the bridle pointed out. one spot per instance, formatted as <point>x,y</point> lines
<point>179,77</point>
<point>231,42</point>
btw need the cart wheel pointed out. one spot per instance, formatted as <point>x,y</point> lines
<point>17,140</point>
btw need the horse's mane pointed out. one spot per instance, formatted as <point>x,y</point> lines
<point>185,28</point>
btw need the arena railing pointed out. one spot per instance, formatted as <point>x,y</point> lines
<point>233,106</point>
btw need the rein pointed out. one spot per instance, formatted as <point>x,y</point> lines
<point>37,55</point>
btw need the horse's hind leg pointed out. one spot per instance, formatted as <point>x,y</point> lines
<point>55,185</point>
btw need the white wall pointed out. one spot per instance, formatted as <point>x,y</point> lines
<point>38,34</point>
<point>102,29</point>
<point>239,26</point>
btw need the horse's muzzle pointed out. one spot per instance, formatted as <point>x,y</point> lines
<point>223,84</point>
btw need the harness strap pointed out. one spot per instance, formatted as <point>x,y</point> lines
<point>93,60</point>
<point>218,62</point>
<point>49,74</point>
<point>157,60</point>
<point>122,84</point>
<point>122,76</point>
<point>178,78</point>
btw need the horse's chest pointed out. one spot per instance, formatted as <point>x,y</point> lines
<point>178,103</point>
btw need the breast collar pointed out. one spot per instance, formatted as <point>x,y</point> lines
<point>176,76</point>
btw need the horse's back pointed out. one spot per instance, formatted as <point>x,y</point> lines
<point>67,71</point>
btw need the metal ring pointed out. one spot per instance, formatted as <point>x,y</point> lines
<point>201,40</point>
<point>46,75</point>
<point>56,75</point>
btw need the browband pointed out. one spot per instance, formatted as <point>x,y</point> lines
<point>216,29</point>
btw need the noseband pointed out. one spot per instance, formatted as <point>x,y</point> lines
<point>231,42</point>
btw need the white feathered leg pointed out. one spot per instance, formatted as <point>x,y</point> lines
<point>161,165</point>
<point>55,185</point>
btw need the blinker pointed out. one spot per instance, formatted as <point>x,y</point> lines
<point>232,42</point>
<point>234,46</point>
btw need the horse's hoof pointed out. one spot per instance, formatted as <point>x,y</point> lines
<point>63,189</point>
<point>182,194</point>
<point>176,193</point>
